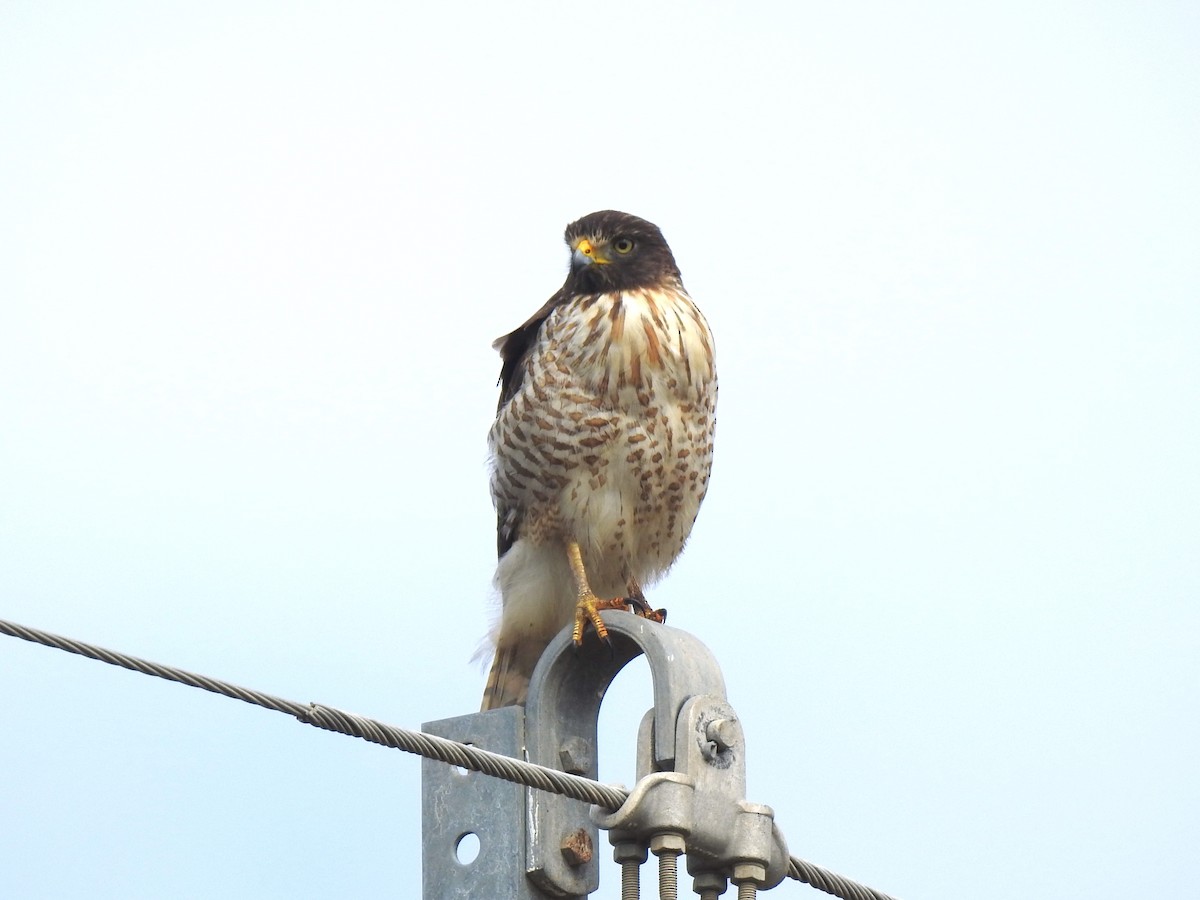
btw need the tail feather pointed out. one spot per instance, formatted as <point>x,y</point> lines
<point>508,679</point>
<point>537,596</point>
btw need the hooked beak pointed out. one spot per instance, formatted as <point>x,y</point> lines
<point>585,253</point>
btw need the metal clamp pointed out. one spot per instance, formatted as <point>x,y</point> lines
<point>691,777</point>
<point>702,800</point>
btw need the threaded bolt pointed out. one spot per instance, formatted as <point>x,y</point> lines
<point>631,855</point>
<point>631,882</point>
<point>667,846</point>
<point>668,875</point>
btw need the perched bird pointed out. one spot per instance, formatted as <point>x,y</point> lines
<point>602,444</point>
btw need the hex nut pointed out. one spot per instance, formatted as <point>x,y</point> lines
<point>713,882</point>
<point>667,842</point>
<point>629,851</point>
<point>749,872</point>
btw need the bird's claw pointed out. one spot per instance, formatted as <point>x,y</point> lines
<point>587,610</point>
<point>639,607</point>
<point>589,606</point>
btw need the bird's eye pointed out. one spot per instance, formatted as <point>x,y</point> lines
<point>623,245</point>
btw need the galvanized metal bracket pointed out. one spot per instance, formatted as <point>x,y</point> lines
<point>691,771</point>
<point>459,807</point>
<point>560,729</point>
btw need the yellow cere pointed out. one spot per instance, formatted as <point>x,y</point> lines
<point>588,249</point>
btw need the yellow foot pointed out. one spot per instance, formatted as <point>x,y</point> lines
<point>587,610</point>
<point>589,606</point>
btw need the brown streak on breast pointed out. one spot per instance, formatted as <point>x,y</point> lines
<point>652,305</point>
<point>617,314</point>
<point>593,333</point>
<point>653,348</point>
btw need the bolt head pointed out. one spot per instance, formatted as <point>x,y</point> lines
<point>574,756</point>
<point>576,848</point>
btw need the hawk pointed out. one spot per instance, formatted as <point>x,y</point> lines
<point>602,443</point>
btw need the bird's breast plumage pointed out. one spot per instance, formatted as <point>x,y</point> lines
<point>608,440</point>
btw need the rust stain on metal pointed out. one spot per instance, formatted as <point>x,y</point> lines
<point>577,848</point>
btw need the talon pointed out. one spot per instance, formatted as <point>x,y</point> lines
<point>587,610</point>
<point>639,606</point>
<point>589,606</point>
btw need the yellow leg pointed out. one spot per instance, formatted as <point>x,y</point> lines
<point>588,607</point>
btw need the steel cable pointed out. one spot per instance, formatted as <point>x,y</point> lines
<point>426,745</point>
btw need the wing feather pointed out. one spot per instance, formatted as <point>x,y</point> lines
<point>514,349</point>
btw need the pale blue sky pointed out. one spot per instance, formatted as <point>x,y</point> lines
<point>252,257</point>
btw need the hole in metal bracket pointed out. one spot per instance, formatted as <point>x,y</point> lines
<point>466,848</point>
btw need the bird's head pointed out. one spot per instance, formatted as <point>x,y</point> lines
<point>614,251</point>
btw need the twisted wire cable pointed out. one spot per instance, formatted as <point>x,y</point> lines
<point>831,882</point>
<point>330,719</point>
<point>495,764</point>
